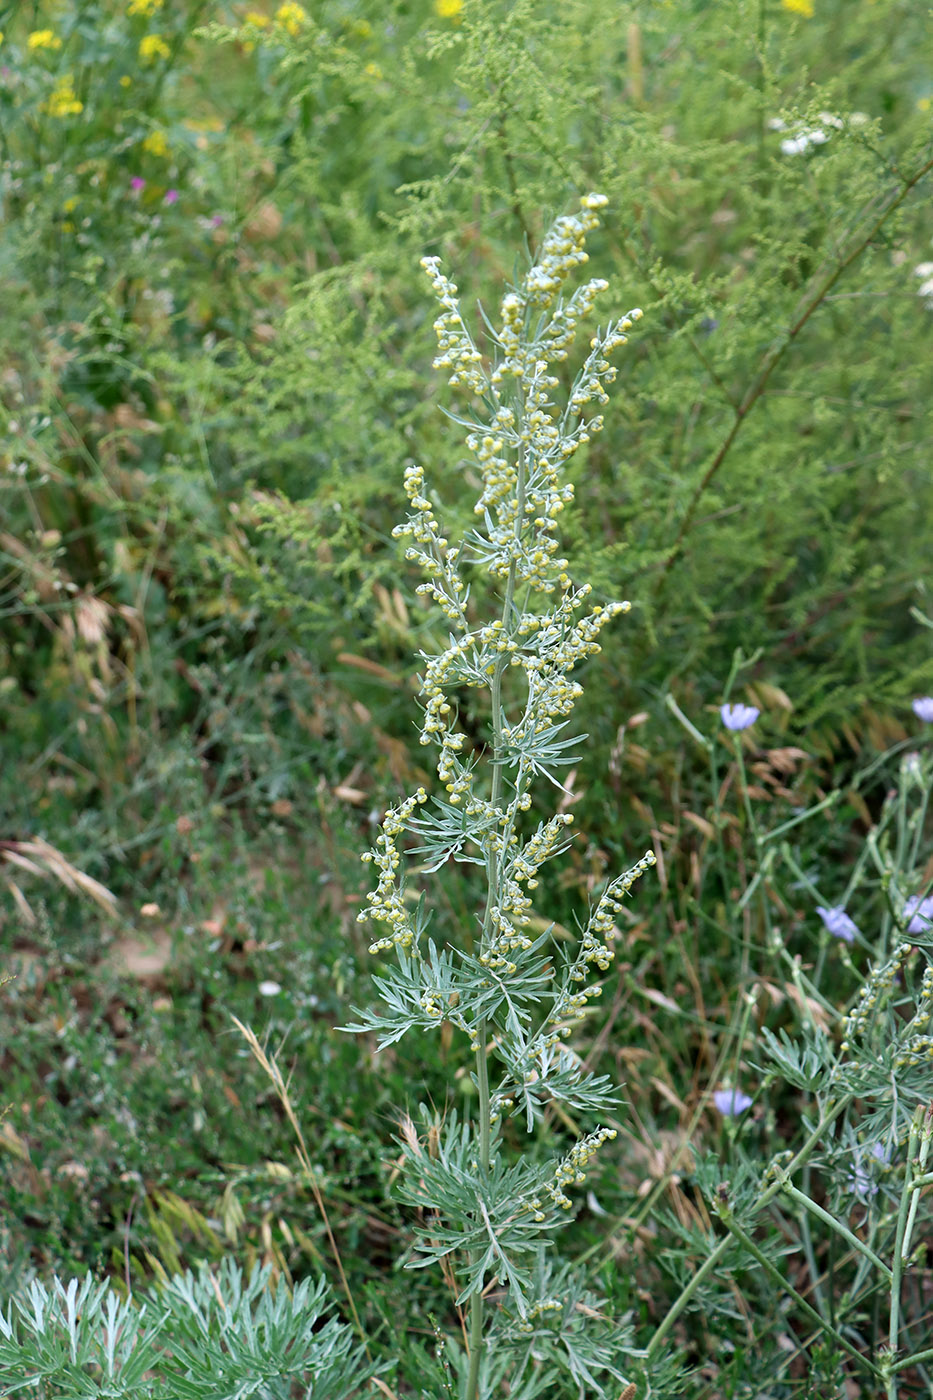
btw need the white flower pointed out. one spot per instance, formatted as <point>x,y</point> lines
<point>807,136</point>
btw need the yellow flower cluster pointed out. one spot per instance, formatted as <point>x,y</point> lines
<point>562,251</point>
<point>292,17</point>
<point>386,902</point>
<point>595,948</point>
<point>571,1170</point>
<point>545,439</point>
<point>454,340</point>
<point>799,7</point>
<point>874,992</point>
<point>448,9</point>
<point>144,8</point>
<point>431,551</point>
<point>257,19</point>
<point>509,918</point>
<point>155,144</point>
<point>521,449</point>
<point>63,101</point>
<point>43,39</point>
<point>526,1325</point>
<point>153,46</point>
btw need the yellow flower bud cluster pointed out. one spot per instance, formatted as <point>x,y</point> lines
<point>562,252</point>
<point>430,550</point>
<point>873,995</point>
<point>457,351</point>
<point>595,948</point>
<point>537,441</point>
<point>521,524</point>
<point>292,17</point>
<point>153,46</point>
<point>521,449</point>
<point>43,39</point>
<point>559,333</point>
<point>386,902</point>
<point>526,1325</point>
<point>509,916</point>
<point>571,1170</point>
<point>63,100</point>
<point>925,997</point>
<point>917,1049</point>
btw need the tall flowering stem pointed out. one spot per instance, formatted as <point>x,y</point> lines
<point>515,996</point>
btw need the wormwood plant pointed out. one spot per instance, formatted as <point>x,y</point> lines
<point>516,997</point>
<point>196,1338</point>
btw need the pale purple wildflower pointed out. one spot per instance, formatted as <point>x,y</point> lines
<point>217,220</point>
<point>838,923</point>
<point>731,1102</point>
<point>171,197</point>
<point>921,912</point>
<point>738,716</point>
<point>860,1179</point>
<point>923,708</point>
<point>137,183</point>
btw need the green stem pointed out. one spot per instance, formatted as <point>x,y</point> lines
<point>686,1297</point>
<point>914,1360</point>
<point>898,1269</point>
<point>477,1308</point>
<point>477,1305</point>
<point>836,1226</point>
<point>778,1278</point>
<point>767,1196</point>
<point>926,1136</point>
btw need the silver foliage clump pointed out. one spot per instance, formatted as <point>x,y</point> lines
<point>514,994</point>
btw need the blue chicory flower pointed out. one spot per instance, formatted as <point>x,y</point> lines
<point>731,1102</point>
<point>861,1183</point>
<point>738,716</point>
<point>923,708</point>
<point>921,912</point>
<point>838,923</point>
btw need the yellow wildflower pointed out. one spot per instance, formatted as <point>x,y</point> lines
<point>257,19</point>
<point>126,80</point>
<point>156,144</point>
<point>1,36</point>
<point>372,70</point>
<point>143,7</point>
<point>924,104</point>
<point>71,204</point>
<point>799,7</point>
<point>291,17</point>
<point>153,46</point>
<point>43,39</point>
<point>448,9</point>
<point>63,101</point>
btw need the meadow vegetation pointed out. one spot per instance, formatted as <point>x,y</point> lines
<point>217,658</point>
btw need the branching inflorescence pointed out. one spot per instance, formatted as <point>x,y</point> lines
<point>515,995</point>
